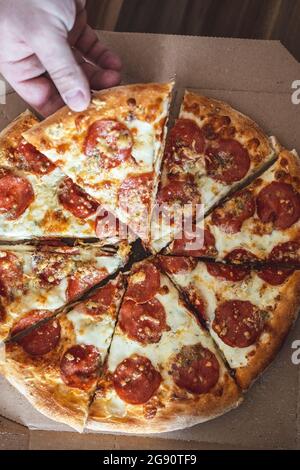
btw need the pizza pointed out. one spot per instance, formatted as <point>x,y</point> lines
<point>57,363</point>
<point>47,277</point>
<point>247,312</point>
<point>163,371</point>
<point>113,150</point>
<point>37,200</point>
<point>259,223</point>
<point>210,151</point>
<point>173,330</point>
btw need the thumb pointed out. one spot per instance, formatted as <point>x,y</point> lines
<point>55,53</point>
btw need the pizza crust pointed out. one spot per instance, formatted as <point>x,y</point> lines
<point>284,317</point>
<point>102,103</point>
<point>57,402</point>
<point>173,416</point>
<point>245,127</point>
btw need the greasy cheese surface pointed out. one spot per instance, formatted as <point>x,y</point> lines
<point>147,123</point>
<point>52,297</point>
<point>211,190</point>
<point>184,330</point>
<point>254,236</point>
<point>46,216</point>
<point>96,330</point>
<point>215,291</point>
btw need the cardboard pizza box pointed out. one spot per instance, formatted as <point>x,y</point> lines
<point>256,77</point>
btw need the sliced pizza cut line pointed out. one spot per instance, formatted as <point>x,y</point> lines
<point>261,223</point>
<point>56,366</point>
<point>34,279</point>
<point>211,151</point>
<point>248,313</point>
<point>163,371</point>
<point>114,149</point>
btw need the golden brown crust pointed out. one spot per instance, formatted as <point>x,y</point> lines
<point>283,318</point>
<point>172,416</point>
<point>68,408</point>
<point>289,163</point>
<point>38,379</point>
<point>11,136</point>
<point>148,98</point>
<point>241,127</point>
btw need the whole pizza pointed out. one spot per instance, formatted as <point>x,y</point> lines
<point>149,271</point>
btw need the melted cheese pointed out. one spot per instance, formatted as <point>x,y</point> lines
<point>215,291</point>
<point>53,297</point>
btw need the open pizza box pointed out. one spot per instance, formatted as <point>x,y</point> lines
<point>255,77</point>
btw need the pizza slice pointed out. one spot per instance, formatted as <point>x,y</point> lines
<point>259,223</point>
<point>248,313</point>
<point>211,150</point>
<point>113,150</point>
<point>37,200</point>
<point>163,371</point>
<point>47,278</point>
<point>56,364</point>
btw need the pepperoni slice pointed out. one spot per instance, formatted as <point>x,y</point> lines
<point>110,141</point>
<point>79,366</point>
<point>226,272</point>
<point>238,323</point>
<point>101,301</point>
<point>84,280</point>
<point>43,338</point>
<point>11,274</point>
<point>195,369</point>
<point>183,246</point>
<point>75,200</point>
<point>177,264</point>
<point>279,203</point>
<point>186,133</point>
<point>288,252</point>
<point>275,276</point>
<point>16,194</point>
<point>28,158</point>
<point>136,380</point>
<point>143,283</point>
<point>228,162</point>
<point>50,269</point>
<point>231,217</point>
<point>178,191</point>
<point>240,256</point>
<point>143,322</point>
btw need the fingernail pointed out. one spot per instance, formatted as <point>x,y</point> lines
<point>76,100</point>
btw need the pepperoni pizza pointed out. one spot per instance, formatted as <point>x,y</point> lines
<point>163,371</point>
<point>113,150</point>
<point>37,199</point>
<point>145,356</point>
<point>211,150</point>
<point>248,313</point>
<point>260,223</point>
<point>47,277</point>
<point>57,363</point>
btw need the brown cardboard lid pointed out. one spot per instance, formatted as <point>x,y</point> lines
<point>256,77</point>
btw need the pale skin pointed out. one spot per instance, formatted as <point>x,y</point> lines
<point>50,55</point>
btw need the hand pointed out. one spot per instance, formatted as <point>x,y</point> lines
<point>44,49</point>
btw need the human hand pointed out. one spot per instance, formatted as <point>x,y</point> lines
<point>45,48</point>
